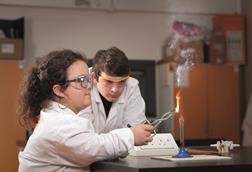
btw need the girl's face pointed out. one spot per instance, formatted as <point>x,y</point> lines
<point>77,95</point>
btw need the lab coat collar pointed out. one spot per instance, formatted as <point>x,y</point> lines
<point>59,108</point>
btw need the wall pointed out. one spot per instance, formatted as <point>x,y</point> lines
<point>139,33</point>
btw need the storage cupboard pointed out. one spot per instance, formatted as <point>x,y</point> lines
<point>209,104</point>
<point>10,130</point>
<point>11,50</point>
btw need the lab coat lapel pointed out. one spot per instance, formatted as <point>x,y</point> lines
<point>99,103</point>
<point>116,108</point>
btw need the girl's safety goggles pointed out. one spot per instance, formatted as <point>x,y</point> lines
<point>82,81</point>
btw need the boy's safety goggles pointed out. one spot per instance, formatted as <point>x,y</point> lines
<point>110,82</point>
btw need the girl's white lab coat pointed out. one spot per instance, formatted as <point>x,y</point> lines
<point>62,141</point>
<point>128,109</point>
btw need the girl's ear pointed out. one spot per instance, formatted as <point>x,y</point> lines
<point>57,90</point>
<point>94,78</point>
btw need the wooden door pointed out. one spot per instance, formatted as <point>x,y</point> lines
<point>223,102</point>
<point>10,130</point>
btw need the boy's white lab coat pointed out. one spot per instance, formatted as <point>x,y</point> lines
<point>128,109</point>
<point>62,141</point>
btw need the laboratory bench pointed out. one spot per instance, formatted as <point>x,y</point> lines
<point>241,161</point>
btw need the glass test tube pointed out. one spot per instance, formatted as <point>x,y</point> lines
<point>181,131</point>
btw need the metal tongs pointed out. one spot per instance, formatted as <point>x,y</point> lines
<point>157,122</point>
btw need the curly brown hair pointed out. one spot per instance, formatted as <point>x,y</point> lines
<point>37,86</point>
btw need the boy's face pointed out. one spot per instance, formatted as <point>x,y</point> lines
<point>110,87</point>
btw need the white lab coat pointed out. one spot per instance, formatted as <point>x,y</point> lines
<point>128,109</point>
<point>247,125</point>
<point>62,141</point>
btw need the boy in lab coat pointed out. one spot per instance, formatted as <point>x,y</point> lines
<point>116,100</point>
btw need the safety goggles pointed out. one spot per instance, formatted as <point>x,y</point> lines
<point>111,82</point>
<point>82,81</point>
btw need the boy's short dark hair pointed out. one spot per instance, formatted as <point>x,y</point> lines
<point>112,61</point>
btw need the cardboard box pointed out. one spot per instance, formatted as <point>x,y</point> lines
<point>217,48</point>
<point>193,50</point>
<point>11,49</point>
<point>233,27</point>
<point>198,50</point>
